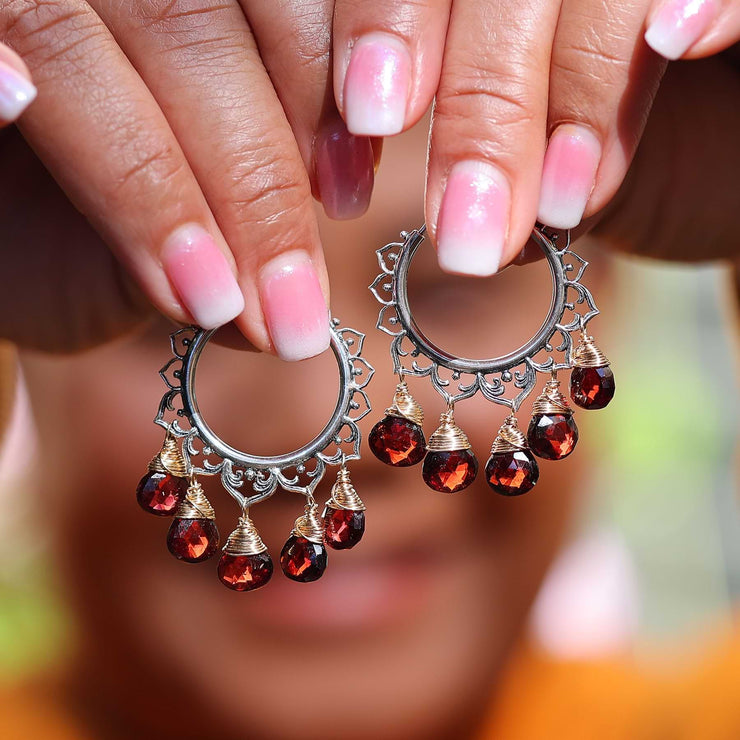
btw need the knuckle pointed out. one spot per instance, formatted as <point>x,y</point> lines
<point>592,65</point>
<point>45,31</point>
<point>470,93</point>
<point>196,32</point>
<point>158,169</point>
<point>265,192</point>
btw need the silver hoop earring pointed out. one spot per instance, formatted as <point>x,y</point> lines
<point>449,463</point>
<point>191,449</point>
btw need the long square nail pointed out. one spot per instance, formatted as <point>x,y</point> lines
<point>376,86</point>
<point>293,303</point>
<point>473,219</point>
<point>568,175</point>
<point>16,93</point>
<point>201,276</point>
<point>678,24</point>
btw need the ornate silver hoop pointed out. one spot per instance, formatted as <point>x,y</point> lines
<point>191,448</point>
<point>450,465</point>
<point>292,471</point>
<point>492,377</point>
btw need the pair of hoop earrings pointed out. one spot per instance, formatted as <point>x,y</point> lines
<point>171,487</point>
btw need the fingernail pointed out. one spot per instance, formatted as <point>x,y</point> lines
<point>201,276</point>
<point>678,24</point>
<point>295,310</point>
<point>376,86</point>
<point>16,92</point>
<point>568,175</point>
<point>473,219</point>
<point>345,170</point>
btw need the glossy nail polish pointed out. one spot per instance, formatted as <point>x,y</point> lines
<point>568,175</point>
<point>376,86</point>
<point>344,170</point>
<point>16,93</point>
<point>678,24</point>
<point>202,276</point>
<point>473,219</point>
<point>293,303</point>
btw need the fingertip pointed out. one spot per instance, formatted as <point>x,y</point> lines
<point>17,92</point>
<point>678,24</point>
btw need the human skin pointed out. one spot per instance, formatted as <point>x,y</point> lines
<point>405,635</point>
<point>193,134</point>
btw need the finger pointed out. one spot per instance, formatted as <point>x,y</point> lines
<point>201,63</point>
<point>691,29</point>
<point>100,133</point>
<point>17,91</point>
<point>387,61</point>
<point>488,133</point>
<point>602,85</point>
<point>296,54</point>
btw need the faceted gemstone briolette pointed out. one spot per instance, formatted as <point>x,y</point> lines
<point>512,473</point>
<point>552,436</point>
<point>449,472</point>
<point>592,387</point>
<point>397,441</point>
<point>192,540</point>
<point>245,572</point>
<point>302,560</point>
<point>344,528</point>
<point>160,493</point>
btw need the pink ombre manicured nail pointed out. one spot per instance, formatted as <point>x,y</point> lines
<point>345,170</point>
<point>16,93</point>
<point>678,24</point>
<point>202,276</point>
<point>376,86</point>
<point>473,219</point>
<point>295,310</point>
<point>568,175</point>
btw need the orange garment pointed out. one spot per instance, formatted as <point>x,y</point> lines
<point>538,699</point>
<point>674,699</point>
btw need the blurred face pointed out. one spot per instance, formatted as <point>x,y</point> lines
<point>404,635</point>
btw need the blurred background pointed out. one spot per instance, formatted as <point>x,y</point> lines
<point>655,553</point>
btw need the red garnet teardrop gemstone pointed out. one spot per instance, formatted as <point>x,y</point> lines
<point>552,436</point>
<point>302,560</point>
<point>512,473</point>
<point>160,493</point>
<point>397,441</point>
<point>245,572</point>
<point>592,387</point>
<point>449,472</point>
<point>344,528</point>
<point>192,540</point>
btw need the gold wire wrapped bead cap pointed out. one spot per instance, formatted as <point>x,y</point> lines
<point>195,505</point>
<point>587,354</point>
<point>405,405</point>
<point>448,437</point>
<point>551,400</point>
<point>245,539</point>
<point>343,494</point>
<point>309,526</point>
<point>170,459</point>
<point>509,437</point>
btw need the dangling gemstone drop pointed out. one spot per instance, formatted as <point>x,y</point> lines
<point>344,514</point>
<point>592,383</point>
<point>245,564</point>
<point>512,469</point>
<point>398,438</point>
<point>165,484</point>
<point>193,535</point>
<point>450,465</point>
<point>552,432</point>
<point>303,557</point>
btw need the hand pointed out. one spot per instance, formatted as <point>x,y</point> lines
<point>539,105</point>
<point>190,134</point>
